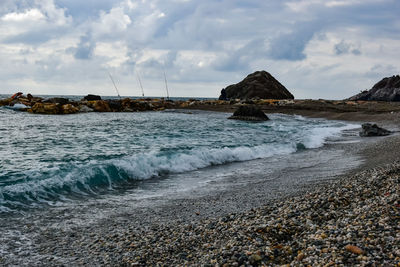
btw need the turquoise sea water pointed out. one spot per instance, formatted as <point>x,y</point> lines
<point>47,160</point>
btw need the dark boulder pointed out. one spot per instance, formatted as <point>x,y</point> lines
<point>259,84</point>
<point>57,100</point>
<point>115,104</point>
<point>388,89</point>
<point>369,129</point>
<point>92,97</point>
<point>249,113</point>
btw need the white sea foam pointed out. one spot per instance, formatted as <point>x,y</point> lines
<point>317,136</point>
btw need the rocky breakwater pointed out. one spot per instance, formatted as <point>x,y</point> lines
<point>90,103</point>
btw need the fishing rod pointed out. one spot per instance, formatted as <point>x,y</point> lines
<point>166,85</point>
<point>116,89</point>
<point>140,83</point>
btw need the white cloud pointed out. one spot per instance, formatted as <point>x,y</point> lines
<point>29,15</point>
<point>110,23</point>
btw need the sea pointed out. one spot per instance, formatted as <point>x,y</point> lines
<point>50,161</point>
<point>71,175</point>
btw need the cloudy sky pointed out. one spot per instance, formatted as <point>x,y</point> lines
<point>328,49</point>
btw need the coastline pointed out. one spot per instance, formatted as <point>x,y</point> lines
<point>200,231</point>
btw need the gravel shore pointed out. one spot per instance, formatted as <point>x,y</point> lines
<point>351,220</point>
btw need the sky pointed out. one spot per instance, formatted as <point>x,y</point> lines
<point>330,49</point>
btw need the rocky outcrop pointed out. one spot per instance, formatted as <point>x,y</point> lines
<point>90,97</point>
<point>99,106</point>
<point>259,84</point>
<point>388,89</point>
<point>223,95</point>
<point>249,113</point>
<point>369,129</point>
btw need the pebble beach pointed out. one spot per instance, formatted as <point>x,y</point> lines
<point>350,222</point>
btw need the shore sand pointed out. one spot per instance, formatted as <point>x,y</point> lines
<point>352,219</point>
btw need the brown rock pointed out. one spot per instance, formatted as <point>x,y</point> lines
<point>5,102</point>
<point>45,108</point>
<point>354,249</point>
<point>99,106</point>
<point>69,109</point>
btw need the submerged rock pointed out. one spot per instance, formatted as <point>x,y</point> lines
<point>369,129</point>
<point>249,113</point>
<point>388,89</point>
<point>259,84</point>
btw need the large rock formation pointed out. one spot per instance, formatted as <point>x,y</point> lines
<point>388,89</point>
<point>259,84</point>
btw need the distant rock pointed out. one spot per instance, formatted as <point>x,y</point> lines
<point>223,95</point>
<point>90,97</point>
<point>388,89</point>
<point>369,129</point>
<point>259,84</point>
<point>249,113</point>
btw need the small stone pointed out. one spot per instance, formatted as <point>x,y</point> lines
<point>354,249</point>
<point>255,258</point>
<point>300,256</point>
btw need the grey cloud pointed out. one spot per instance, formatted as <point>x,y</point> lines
<point>85,48</point>
<point>291,46</point>
<point>82,10</point>
<point>346,48</point>
<point>240,59</point>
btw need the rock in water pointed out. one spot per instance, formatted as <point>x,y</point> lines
<point>369,129</point>
<point>259,84</point>
<point>249,113</point>
<point>388,89</point>
<point>92,97</point>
